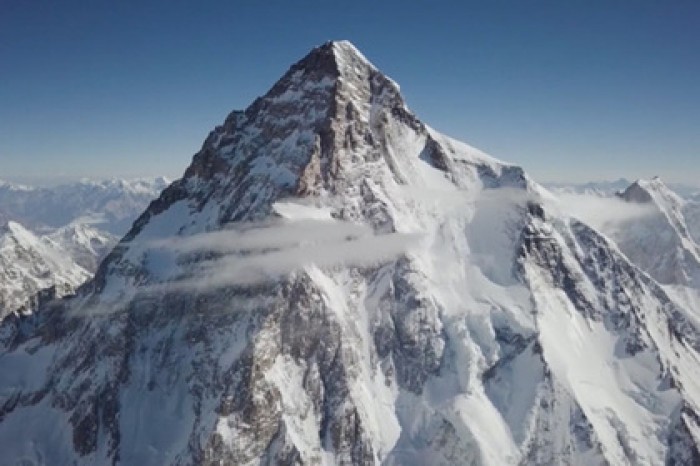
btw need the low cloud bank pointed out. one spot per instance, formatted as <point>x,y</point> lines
<point>603,213</point>
<point>251,254</point>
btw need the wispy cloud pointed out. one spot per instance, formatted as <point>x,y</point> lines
<point>603,213</point>
<point>265,235</point>
<point>249,254</point>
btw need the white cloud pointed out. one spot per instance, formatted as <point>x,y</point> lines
<point>602,213</point>
<point>265,235</point>
<point>257,253</point>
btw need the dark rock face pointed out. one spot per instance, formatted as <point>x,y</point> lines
<point>636,193</point>
<point>409,337</point>
<point>418,357</point>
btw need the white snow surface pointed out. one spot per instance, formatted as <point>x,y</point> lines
<point>30,264</point>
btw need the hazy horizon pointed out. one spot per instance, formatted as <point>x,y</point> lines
<point>47,181</point>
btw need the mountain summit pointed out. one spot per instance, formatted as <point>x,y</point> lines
<point>660,242</point>
<point>334,282</point>
<point>33,269</point>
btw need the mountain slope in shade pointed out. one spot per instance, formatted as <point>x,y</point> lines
<point>691,212</point>
<point>31,266</point>
<point>661,242</point>
<point>332,281</point>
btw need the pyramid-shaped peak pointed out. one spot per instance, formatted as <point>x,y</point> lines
<point>334,58</point>
<point>344,50</point>
<point>651,190</point>
<point>15,228</point>
<point>654,184</point>
<point>18,232</point>
<point>329,76</point>
<point>638,192</point>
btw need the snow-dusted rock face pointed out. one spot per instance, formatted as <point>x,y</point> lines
<point>55,237</point>
<point>38,268</point>
<point>333,282</point>
<point>691,212</point>
<point>84,243</point>
<point>661,242</point>
<point>33,270</point>
<point>113,204</point>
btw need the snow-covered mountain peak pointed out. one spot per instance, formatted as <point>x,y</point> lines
<point>654,189</point>
<point>333,98</point>
<point>30,266</point>
<point>344,50</point>
<point>333,282</point>
<point>336,58</point>
<point>13,231</point>
<point>592,188</point>
<point>655,192</point>
<point>113,203</point>
<point>86,244</point>
<point>351,63</point>
<point>333,130</point>
<point>660,242</point>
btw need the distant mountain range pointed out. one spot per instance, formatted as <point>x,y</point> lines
<point>686,191</point>
<point>678,203</point>
<point>109,204</point>
<point>32,267</point>
<point>52,239</point>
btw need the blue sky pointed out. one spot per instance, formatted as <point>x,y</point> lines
<point>571,90</point>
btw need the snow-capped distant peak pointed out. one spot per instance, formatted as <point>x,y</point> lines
<point>116,202</point>
<point>86,244</point>
<point>593,188</point>
<point>16,232</point>
<point>660,242</point>
<point>654,189</point>
<point>30,265</point>
<point>655,192</point>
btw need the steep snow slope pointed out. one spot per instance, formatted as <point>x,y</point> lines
<point>71,222</point>
<point>29,265</point>
<point>112,203</point>
<point>653,226</point>
<point>332,281</point>
<point>85,244</point>
<point>691,212</point>
<point>659,242</point>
